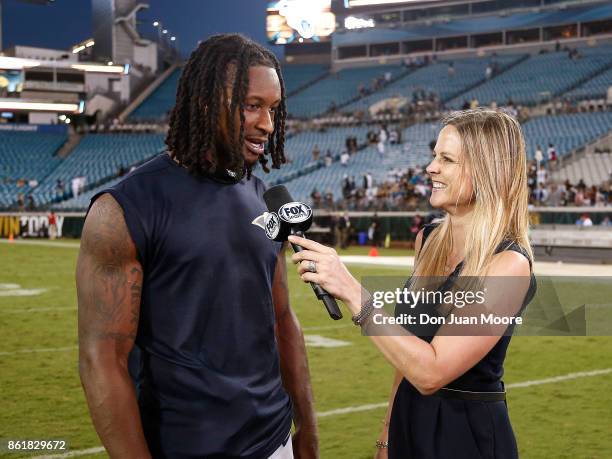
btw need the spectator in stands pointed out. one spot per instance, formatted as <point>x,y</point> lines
<point>59,187</point>
<point>328,201</point>
<point>226,375</point>
<point>32,183</point>
<point>538,155</point>
<point>444,382</point>
<point>551,155</point>
<point>30,205</point>
<point>328,158</point>
<point>20,202</point>
<point>451,69</point>
<point>368,181</point>
<point>346,187</point>
<point>606,221</point>
<point>584,221</point>
<point>315,196</point>
<point>489,72</point>
<point>394,137</point>
<point>542,176</point>
<point>556,196</point>
<point>344,158</point>
<point>316,153</point>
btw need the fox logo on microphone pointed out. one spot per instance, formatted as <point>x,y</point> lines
<point>295,212</point>
<point>272,225</point>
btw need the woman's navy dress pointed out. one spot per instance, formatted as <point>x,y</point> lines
<point>435,427</point>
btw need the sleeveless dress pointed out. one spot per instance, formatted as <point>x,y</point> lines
<point>436,427</point>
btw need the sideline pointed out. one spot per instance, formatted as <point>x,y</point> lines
<point>546,268</point>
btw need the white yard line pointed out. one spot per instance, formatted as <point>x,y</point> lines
<point>75,453</point>
<point>30,351</point>
<point>26,310</point>
<point>326,327</point>
<point>71,245</point>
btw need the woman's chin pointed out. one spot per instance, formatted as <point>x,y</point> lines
<point>434,202</point>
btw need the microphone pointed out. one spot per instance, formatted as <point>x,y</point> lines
<point>288,217</point>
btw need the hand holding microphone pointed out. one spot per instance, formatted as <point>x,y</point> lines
<point>287,217</point>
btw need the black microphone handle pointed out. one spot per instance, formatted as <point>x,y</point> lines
<point>329,301</point>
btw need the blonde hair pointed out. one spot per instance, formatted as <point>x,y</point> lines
<point>493,148</point>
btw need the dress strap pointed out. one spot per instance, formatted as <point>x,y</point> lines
<point>511,245</point>
<point>427,229</point>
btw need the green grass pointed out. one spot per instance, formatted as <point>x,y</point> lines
<point>42,397</point>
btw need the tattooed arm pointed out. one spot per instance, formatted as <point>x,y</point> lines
<point>109,282</point>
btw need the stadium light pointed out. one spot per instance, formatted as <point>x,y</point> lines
<point>173,38</point>
<point>156,24</point>
<point>99,68</point>
<point>90,43</point>
<point>78,49</point>
<point>351,22</point>
<point>15,104</point>
<point>165,31</point>
<point>16,63</point>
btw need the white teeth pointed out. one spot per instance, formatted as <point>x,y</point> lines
<point>255,146</point>
<point>439,185</point>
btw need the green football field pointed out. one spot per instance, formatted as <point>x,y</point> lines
<point>41,396</point>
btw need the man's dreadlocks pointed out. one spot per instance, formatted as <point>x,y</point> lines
<point>200,102</point>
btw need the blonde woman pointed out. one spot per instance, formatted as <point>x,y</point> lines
<point>448,399</point>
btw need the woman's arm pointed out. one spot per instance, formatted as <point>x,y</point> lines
<point>428,366</point>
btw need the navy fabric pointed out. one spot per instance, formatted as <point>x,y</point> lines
<point>210,374</point>
<point>432,427</point>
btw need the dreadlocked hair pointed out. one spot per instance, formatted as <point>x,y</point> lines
<point>201,100</point>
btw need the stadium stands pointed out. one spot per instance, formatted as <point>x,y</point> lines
<point>595,88</point>
<point>298,150</point>
<point>540,78</point>
<point>160,102</point>
<point>337,89</point>
<point>297,76</point>
<point>437,78</point>
<point>25,156</point>
<point>98,158</point>
<point>592,169</point>
<point>413,152</point>
<point>565,132</point>
<point>82,201</point>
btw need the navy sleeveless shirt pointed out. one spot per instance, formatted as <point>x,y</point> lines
<point>210,383</point>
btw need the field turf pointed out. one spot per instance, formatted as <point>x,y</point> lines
<point>41,394</point>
